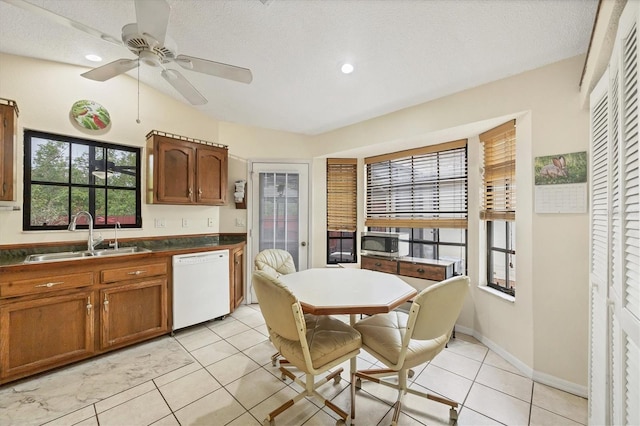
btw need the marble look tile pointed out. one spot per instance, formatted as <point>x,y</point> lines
<point>255,388</point>
<point>169,420</point>
<point>506,382</point>
<point>497,405</point>
<point>93,421</point>
<point>214,352</point>
<point>458,364</point>
<point>177,373</point>
<point>217,408</point>
<point>86,413</point>
<point>246,339</point>
<point>496,360</point>
<point>321,418</point>
<point>232,368</point>
<point>253,319</point>
<point>229,327</point>
<point>122,397</point>
<point>261,353</point>
<point>197,337</point>
<point>444,382</point>
<point>370,409</point>
<point>63,391</point>
<point>562,403</point>
<point>144,409</point>
<point>245,420</point>
<point>243,311</point>
<point>468,417</point>
<point>468,349</point>
<point>542,417</point>
<point>189,388</point>
<point>295,415</point>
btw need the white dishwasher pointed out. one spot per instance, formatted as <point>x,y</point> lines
<point>200,287</point>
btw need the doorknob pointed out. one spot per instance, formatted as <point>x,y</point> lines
<point>303,244</point>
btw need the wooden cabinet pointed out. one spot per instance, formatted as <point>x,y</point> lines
<point>380,265</point>
<point>134,305</point>
<point>8,132</point>
<point>39,334</point>
<point>186,171</point>
<point>428,269</point>
<point>236,269</point>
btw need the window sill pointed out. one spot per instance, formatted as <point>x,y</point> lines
<point>497,293</point>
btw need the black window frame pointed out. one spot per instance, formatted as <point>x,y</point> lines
<point>507,252</point>
<point>334,240</point>
<point>91,186</point>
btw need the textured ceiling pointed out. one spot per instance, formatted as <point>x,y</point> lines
<point>404,52</point>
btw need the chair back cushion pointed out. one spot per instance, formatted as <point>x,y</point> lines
<point>275,262</point>
<point>275,301</point>
<point>440,306</point>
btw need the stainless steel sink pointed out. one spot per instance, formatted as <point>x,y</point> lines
<point>71,255</point>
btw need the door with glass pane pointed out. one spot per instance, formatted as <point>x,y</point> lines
<point>280,209</point>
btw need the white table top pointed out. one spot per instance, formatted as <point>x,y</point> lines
<point>331,291</point>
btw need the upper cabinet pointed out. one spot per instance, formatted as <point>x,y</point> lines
<point>186,171</point>
<point>8,132</point>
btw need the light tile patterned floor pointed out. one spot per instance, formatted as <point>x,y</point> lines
<point>232,382</point>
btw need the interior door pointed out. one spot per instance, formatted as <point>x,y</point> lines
<point>279,217</point>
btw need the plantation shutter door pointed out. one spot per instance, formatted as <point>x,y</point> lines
<point>499,176</point>
<point>418,188</point>
<point>342,188</point>
<point>599,247</point>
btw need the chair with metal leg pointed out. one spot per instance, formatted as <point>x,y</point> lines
<point>314,348</point>
<point>402,341</point>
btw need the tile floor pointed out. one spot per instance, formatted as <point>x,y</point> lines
<point>232,382</point>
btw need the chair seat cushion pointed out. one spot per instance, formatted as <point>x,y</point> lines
<point>382,336</point>
<point>328,338</point>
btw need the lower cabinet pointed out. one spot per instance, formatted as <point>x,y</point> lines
<point>36,335</point>
<point>236,286</point>
<point>133,312</point>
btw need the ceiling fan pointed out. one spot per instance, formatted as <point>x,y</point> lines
<point>147,39</point>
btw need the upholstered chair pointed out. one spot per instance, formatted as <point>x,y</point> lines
<point>402,341</point>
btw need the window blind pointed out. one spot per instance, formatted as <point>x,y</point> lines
<point>342,184</point>
<point>418,188</point>
<point>499,177</point>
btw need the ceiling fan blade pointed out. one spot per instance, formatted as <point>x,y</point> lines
<point>69,23</point>
<point>217,69</point>
<point>183,86</point>
<point>111,69</point>
<point>153,18</point>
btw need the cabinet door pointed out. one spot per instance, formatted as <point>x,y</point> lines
<point>133,312</point>
<point>238,279</point>
<point>7,135</point>
<point>39,334</point>
<point>175,172</point>
<point>211,177</point>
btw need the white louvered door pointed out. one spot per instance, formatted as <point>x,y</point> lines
<point>615,234</point>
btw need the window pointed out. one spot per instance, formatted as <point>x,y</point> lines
<point>499,205</point>
<point>342,190</point>
<point>422,192</point>
<point>64,175</point>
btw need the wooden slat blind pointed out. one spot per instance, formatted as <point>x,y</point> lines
<point>418,188</point>
<point>499,179</point>
<point>342,186</point>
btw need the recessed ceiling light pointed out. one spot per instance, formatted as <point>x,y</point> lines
<point>347,68</point>
<point>93,58</point>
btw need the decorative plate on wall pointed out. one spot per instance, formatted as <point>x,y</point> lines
<point>90,115</point>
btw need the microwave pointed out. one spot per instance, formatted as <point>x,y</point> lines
<point>391,244</point>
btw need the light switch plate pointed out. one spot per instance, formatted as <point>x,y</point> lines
<point>210,222</point>
<point>185,223</point>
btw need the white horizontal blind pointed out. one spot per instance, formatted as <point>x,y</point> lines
<point>422,188</point>
<point>342,181</point>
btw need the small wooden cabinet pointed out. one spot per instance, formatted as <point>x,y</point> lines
<point>186,171</point>
<point>8,133</point>
<point>236,269</point>
<point>428,269</point>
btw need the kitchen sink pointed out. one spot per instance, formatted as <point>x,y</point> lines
<point>71,255</point>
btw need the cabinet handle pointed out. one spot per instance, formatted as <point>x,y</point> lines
<point>89,305</point>
<point>420,271</point>
<point>190,193</point>
<point>136,272</point>
<point>49,285</point>
<point>105,303</point>
<point>378,264</point>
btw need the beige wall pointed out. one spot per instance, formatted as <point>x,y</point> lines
<point>544,331</point>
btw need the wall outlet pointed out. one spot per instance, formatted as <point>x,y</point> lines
<point>210,222</point>
<point>185,223</point>
<point>159,223</point>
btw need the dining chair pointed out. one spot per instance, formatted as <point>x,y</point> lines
<point>402,341</point>
<point>275,262</point>
<point>313,348</point>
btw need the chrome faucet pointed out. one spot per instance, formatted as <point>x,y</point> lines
<point>91,242</point>
<point>114,244</point>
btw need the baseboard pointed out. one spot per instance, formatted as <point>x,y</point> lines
<point>536,376</point>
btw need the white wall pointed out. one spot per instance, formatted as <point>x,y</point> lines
<point>545,330</point>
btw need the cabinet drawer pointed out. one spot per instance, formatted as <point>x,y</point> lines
<point>421,270</point>
<point>45,284</point>
<point>133,272</point>
<point>381,265</point>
